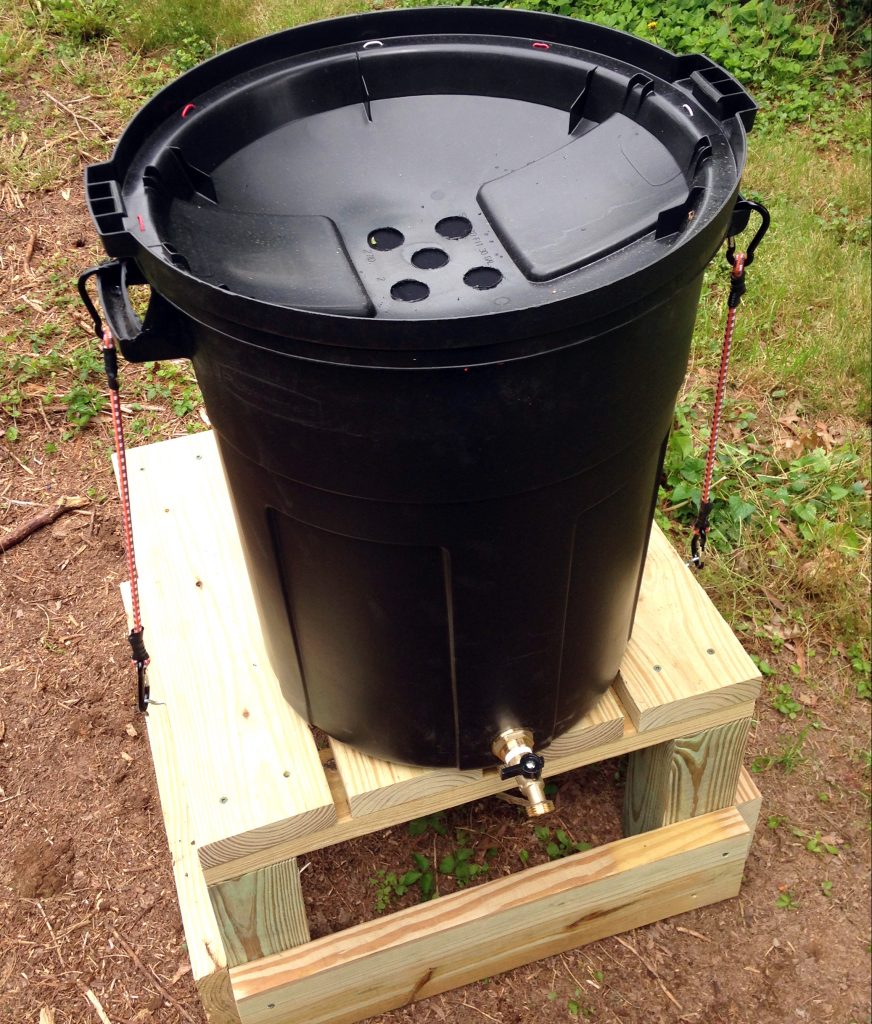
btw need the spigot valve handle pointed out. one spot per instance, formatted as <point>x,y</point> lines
<point>530,767</point>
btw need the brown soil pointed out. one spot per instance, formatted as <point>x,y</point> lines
<point>85,875</point>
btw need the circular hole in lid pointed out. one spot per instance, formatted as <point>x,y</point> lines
<point>409,291</point>
<point>385,239</point>
<point>429,259</point>
<point>482,278</point>
<point>454,227</point>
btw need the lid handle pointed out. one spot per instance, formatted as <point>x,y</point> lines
<point>164,333</point>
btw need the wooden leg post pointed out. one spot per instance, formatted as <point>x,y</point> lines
<point>683,778</point>
<point>260,913</point>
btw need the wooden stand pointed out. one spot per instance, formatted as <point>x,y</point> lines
<point>244,791</point>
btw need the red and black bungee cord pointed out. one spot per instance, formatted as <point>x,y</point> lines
<point>738,262</point>
<point>139,655</point>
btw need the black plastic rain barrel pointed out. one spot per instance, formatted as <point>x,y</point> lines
<point>437,271</point>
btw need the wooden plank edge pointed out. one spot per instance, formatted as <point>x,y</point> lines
<point>202,935</point>
<point>361,775</point>
<point>267,837</point>
<point>350,827</point>
<point>499,925</point>
<point>749,799</point>
<point>647,719</point>
<point>216,995</point>
<point>604,725</point>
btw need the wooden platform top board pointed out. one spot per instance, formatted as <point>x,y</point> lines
<point>248,761</point>
<point>252,777</point>
<point>683,659</point>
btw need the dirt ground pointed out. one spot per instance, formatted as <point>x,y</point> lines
<point>90,926</point>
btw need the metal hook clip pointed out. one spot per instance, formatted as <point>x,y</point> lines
<point>143,690</point>
<point>144,699</point>
<point>741,214</point>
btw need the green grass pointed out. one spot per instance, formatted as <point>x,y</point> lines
<point>187,31</point>
<point>804,320</point>
<point>202,24</point>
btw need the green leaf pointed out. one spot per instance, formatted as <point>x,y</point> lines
<point>463,872</point>
<point>786,901</point>
<point>739,509</point>
<point>682,444</point>
<point>447,864</point>
<point>422,862</point>
<point>765,668</point>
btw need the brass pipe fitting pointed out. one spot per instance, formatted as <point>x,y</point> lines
<point>512,747</point>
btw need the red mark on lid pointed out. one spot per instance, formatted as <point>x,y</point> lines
<point>187,108</point>
<point>541,46</point>
<point>140,222</point>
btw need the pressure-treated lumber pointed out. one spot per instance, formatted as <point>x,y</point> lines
<point>601,726</point>
<point>684,777</point>
<point>260,913</point>
<point>204,938</point>
<point>205,947</point>
<point>202,935</point>
<point>252,916</point>
<point>436,946</point>
<point>749,800</point>
<point>247,760</point>
<point>683,659</point>
<point>372,786</point>
<point>348,827</point>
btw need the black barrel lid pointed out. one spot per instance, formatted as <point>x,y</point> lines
<point>426,174</point>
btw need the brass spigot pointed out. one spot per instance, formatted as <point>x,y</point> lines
<point>514,748</point>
